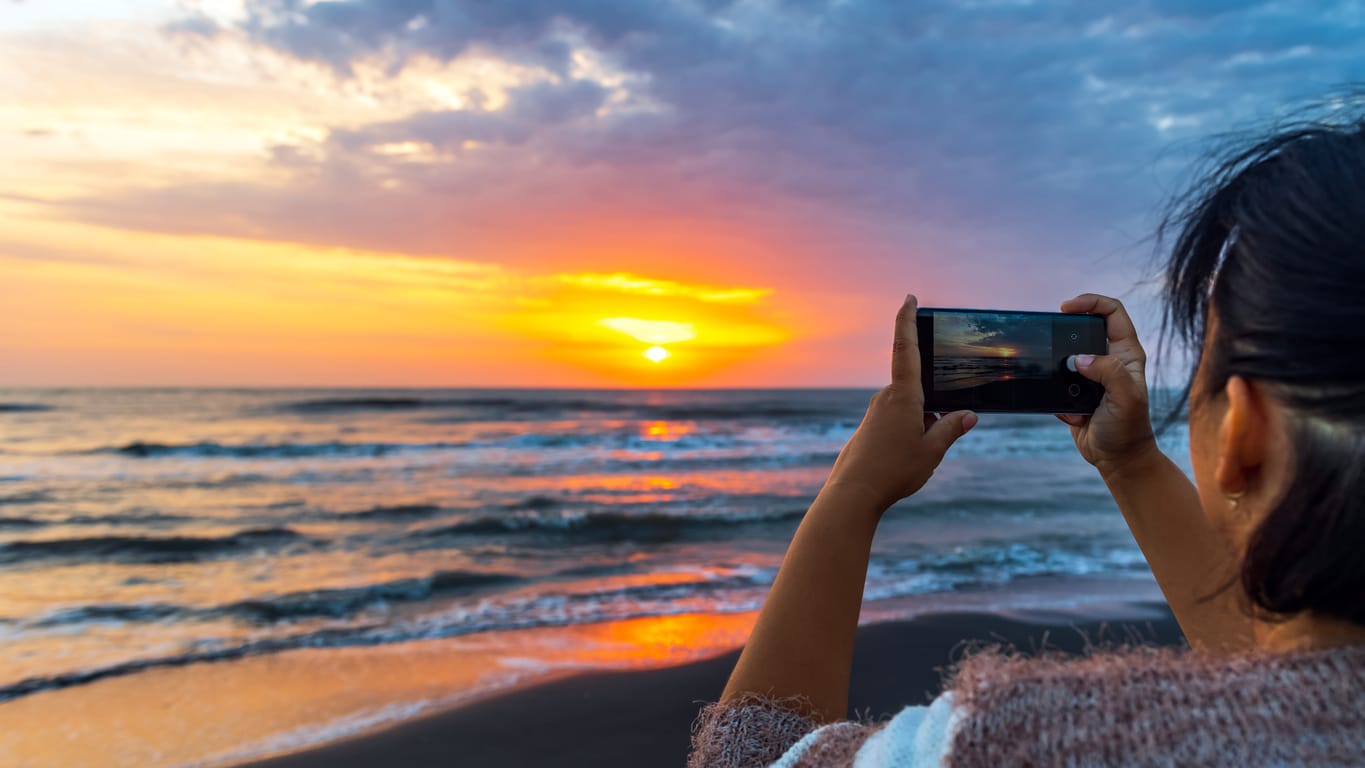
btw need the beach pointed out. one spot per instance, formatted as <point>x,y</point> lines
<point>643,718</point>
<point>209,577</point>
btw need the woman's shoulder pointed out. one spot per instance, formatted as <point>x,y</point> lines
<point>1143,705</point>
<point>997,671</point>
<point>1114,707</point>
<point>750,730</point>
<point>754,731</point>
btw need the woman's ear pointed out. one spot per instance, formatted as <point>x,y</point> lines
<point>1242,437</point>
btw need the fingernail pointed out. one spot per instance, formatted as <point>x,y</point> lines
<point>909,297</point>
<point>969,421</point>
<point>1082,361</point>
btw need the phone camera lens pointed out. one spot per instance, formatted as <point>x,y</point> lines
<point>1075,336</point>
<point>1074,390</point>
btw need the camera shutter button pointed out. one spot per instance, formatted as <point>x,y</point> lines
<point>1074,390</point>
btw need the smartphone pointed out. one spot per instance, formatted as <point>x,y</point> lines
<point>998,361</point>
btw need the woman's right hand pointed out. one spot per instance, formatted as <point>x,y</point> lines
<point>1120,430</point>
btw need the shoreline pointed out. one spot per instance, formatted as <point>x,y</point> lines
<point>296,702</point>
<point>644,716</point>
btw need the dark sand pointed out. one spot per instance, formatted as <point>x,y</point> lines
<point>643,718</point>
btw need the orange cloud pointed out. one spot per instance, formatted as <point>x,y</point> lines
<point>624,282</point>
<point>651,331</point>
<point>96,305</point>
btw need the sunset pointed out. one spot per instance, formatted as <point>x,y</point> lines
<point>680,382</point>
<point>208,193</point>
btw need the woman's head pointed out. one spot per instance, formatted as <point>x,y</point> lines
<point>1266,283</point>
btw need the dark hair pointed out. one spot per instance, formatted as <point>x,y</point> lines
<point>1289,300</point>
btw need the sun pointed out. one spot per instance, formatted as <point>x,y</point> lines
<point>656,354</point>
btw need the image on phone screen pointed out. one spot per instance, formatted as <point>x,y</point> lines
<point>996,360</point>
<point>977,349</point>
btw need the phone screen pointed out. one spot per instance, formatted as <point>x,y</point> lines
<point>1015,362</point>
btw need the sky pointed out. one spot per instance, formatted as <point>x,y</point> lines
<point>983,335</point>
<point>594,193</point>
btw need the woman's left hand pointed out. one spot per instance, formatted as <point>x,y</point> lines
<point>897,447</point>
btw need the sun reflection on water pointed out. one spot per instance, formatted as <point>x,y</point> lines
<point>667,431</point>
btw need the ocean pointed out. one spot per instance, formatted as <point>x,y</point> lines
<point>967,372</point>
<point>145,529</point>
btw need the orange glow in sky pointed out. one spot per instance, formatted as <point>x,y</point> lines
<point>145,307</point>
<point>119,269</point>
<point>369,193</point>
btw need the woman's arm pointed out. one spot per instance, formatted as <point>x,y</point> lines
<point>802,644</point>
<point>1190,560</point>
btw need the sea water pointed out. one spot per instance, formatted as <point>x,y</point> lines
<point>148,528</point>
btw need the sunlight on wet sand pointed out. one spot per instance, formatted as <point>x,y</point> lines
<point>227,712</point>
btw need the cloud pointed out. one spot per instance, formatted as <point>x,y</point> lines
<point>651,331</point>
<point>533,109</point>
<point>621,282</point>
<point>338,33</point>
<point>859,142</point>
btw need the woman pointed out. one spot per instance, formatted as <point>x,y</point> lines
<point>1262,559</point>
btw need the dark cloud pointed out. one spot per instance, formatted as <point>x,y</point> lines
<point>532,110</point>
<point>994,135</point>
<point>336,33</point>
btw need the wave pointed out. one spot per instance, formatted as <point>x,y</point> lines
<point>394,512</point>
<point>655,460</point>
<point>30,497</point>
<point>140,549</point>
<point>24,408</point>
<point>847,406</point>
<point>458,621</point>
<point>511,407</point>
<point>614,441</point>
<point>113,519</point>
<point>533,503</point>
<point>86,614</point>
<point>684,463</point>
<point>21,522</point>
<point>687,453</point>
<point>82,676</point>
<point>125,519</point>
<point>613,525</point>
<point>328,404</point>
<point>340,602</point>
<point>987,564</point>
<point>210,449</point>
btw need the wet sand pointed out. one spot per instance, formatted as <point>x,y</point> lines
<point>644,717</point>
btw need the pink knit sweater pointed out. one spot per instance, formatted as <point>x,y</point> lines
<point>1136,707</point>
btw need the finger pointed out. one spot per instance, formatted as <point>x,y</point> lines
<point>1118,325</point>
<point>1072,419</point>
<point>1118,381</point>
<point>1116,320</point>
<point>905,349</point>
<point>947,430</point>
<point>929,419</point>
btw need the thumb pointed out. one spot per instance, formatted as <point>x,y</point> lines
<point>947,430</point>
<point>1108,370</point>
